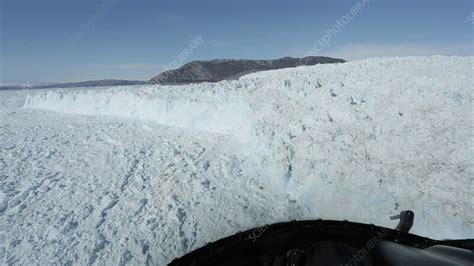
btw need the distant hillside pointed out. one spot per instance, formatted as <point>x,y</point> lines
<point>225,69</point>
<point>89,83</point>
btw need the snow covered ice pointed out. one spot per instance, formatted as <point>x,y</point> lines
<point>144,174</point>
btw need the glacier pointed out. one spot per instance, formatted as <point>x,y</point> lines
<point>144,174</point>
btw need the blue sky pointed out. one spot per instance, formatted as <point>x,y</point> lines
<point>73,40</point>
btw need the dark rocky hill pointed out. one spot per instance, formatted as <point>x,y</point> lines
<point>225,69</point>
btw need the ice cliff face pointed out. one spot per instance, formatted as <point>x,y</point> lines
<point>359,141</point>
<point>298,115</point>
